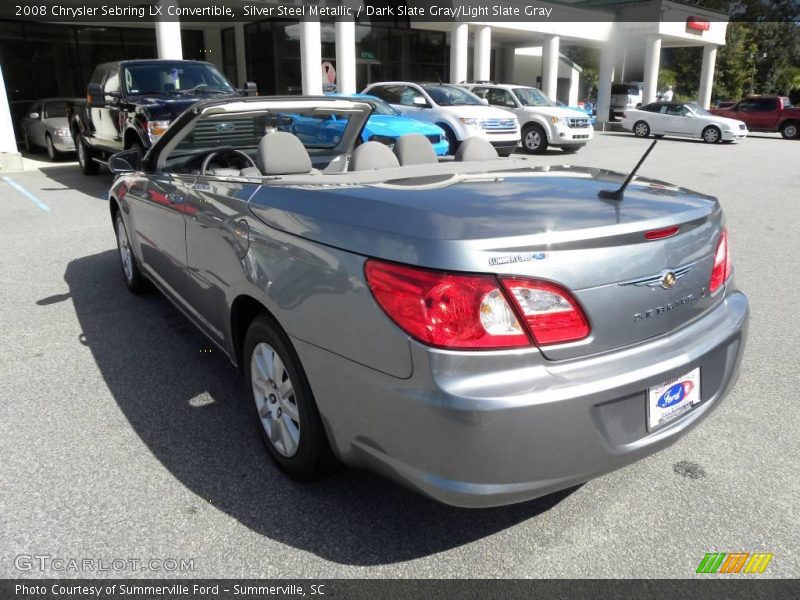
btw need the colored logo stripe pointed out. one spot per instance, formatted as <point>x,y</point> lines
<point>711,562</point>
<point>734,562</point>
<point>758,562</point>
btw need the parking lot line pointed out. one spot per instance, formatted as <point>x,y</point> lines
<point>27,194</point>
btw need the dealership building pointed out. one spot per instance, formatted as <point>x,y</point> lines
<point>285,55</point>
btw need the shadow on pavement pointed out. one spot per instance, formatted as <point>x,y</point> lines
<point>69,176</point>
<point>186,404</point>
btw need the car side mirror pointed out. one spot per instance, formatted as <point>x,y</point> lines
<point>34,115</point>
<point>95,96</point>
<point>125,162</point>
<point>484,101</point>
<point>420,101</point>
<point>250,89</point>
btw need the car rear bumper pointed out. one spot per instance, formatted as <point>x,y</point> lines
<point>480,429</point>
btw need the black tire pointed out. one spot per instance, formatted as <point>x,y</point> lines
<point>571,149</point>
<point>26,142</point>
<point>641,129</point>
<point>506,152</point>
<point>88,166</point>
<point>712,135</point>
<point>312,457</point>
<point>52,154</point>
<point>534,139</point>
<point>791,130</point>
<point>452,140</point>
<point>133,277</point>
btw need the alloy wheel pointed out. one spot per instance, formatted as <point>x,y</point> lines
<point>790,131</point>
<point>274,395</point>
<point>533,139</point>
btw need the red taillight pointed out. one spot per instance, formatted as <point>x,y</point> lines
<point>446,310</point>
<point>474,311</point>
<point>722,263</point>
<point>660,234</point>
<point>552,315</point>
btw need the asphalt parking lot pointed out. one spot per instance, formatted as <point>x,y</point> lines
<point>123,436</point>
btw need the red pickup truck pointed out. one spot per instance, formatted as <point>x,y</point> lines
<point>765,113</point>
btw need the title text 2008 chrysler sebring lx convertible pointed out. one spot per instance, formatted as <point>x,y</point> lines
<point>478,329</point>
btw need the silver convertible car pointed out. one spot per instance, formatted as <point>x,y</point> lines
<point>479,329</point>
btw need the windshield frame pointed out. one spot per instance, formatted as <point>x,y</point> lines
<point>161,152</point>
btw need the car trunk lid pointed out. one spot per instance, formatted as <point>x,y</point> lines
<point>545,223</point>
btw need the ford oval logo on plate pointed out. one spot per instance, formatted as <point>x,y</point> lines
<point>672,398</point>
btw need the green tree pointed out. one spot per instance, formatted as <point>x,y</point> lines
<point>732,70</point>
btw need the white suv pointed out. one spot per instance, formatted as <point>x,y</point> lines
<point>543,123</point>
<point>459,112</point>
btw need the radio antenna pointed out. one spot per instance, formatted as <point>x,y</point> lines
<point>618,194</point>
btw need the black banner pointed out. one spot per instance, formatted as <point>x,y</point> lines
<point>734,588</point>
<point>391,11</point>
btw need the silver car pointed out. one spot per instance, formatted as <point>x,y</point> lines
<point>45,125</point>
<point>479,329</point>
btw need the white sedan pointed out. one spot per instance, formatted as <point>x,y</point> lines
<point>683,120</point>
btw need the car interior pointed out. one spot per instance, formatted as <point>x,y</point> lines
<point>312,143</point>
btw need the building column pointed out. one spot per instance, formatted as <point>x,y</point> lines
<point>574,87</point>
<point>10,158</point>
<point>652,60</point>
<point>241,54</point>
<point>550,59</point>
<point>459,40</point>
<point>604,80</point>
<point>346,57</point>
<point>482,54</point>
<point>707,76</point>
<point>212,40</point>
<point>168,35</point>
<point>311,57</point>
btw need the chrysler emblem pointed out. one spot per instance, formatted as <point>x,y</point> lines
<point>668,280</point>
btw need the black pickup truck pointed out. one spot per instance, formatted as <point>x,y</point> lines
<point>129,104</point>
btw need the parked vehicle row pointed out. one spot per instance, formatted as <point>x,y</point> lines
<point>478,329</point>
<point>456,110</point>
<point>543,122</point>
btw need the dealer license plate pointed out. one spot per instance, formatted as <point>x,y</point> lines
<point>672,398</point>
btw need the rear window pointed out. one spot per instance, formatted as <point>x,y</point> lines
<point>624,89</point>
<point>54,110</point>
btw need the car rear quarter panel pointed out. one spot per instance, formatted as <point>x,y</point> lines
<point>318,294</point>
